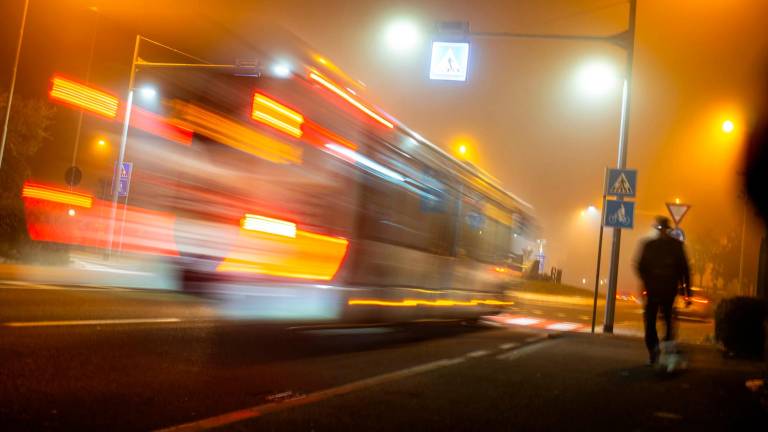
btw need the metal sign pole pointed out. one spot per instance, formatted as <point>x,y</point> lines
<point>123,142</point>
<point>610,299</point>
<point>599,250</point>
<point>13,81</point>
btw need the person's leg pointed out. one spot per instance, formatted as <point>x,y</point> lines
<point>651,337</point>
<point>668,311</point>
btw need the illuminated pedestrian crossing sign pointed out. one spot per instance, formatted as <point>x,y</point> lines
<point>449,61</point>
<point>621,182</point>
<point>619,214</point>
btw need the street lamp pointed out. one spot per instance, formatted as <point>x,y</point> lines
<point>148,93</point>
<point>9,102</point>
<point>626,41</point>
<point>597,78</point>
<point>281,70</point>
<point>727,126</point>
<point>402,36</point>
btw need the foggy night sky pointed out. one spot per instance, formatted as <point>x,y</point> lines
<point>697,63</point>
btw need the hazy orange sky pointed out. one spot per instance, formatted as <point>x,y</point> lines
<point>697,63</point>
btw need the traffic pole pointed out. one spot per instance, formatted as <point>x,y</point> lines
<point>599,250</point>
<point>123,143</point>
<point>13,81</point>
<point>613,275</point>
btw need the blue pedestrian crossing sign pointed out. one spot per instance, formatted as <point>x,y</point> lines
<point>124,178</point>
<point>449,61</point>
<point>621,183</point>
<point>619,214</point>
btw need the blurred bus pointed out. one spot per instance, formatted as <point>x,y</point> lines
<point>304,194</point>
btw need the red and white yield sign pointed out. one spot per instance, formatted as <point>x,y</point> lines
<point>678,211</point>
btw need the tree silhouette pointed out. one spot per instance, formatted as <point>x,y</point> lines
<point>28,128</point>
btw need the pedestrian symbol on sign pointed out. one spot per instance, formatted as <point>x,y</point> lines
<point>621,182</point>
<point>449,61</point>
<point>621,186</point>
<point>449,64</point>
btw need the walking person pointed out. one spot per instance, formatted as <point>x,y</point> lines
<point>663,268</point>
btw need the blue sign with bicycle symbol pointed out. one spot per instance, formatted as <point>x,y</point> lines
<point>619,214</point>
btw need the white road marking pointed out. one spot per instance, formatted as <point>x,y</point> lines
<point>478,353</point>
<point>90,322</point>
<point>527,349</point>
<point>270,407</point>
<point>508,345</point>
<point>537,338</point>
<point>259,410</point>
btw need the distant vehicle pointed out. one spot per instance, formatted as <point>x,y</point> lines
<point>701,307</point>
<point>299,190</point>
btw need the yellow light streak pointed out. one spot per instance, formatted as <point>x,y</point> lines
<point>277,115</point>
<point>307,256</point>
<point>56,195</point>
<point>416,302</point>
<point>234,134</point>
<point>335,89</point>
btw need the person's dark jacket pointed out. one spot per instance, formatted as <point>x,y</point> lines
<point>663,267</point>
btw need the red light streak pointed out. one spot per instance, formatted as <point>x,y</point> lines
<point>83,96</point>
<point>160,126</point>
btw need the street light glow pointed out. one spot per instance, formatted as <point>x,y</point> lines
<point>402,36</point>
<point>148,92</point>
<point>597,78</point>
<point>281,70</point>
<point>101,143</point>
<point>727,126</point>
<point>463,149</point>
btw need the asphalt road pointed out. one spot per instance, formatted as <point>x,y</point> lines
<point>107,359</point>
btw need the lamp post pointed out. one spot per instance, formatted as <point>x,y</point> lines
<point>625,40</point>
<point>136,63</point>
<point>13,81</point>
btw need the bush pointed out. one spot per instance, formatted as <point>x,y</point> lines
<point>740,325</point>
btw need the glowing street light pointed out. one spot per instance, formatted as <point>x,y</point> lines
<point>589,211</point>
<point>463,149</point>
<point>101,142</point>
<point>148,93</point>
<point>727,126</point>
<point>402,36</point>
<point>281,70</point>
<point>597,78</point>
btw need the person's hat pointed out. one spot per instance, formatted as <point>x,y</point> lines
<point>662,223</point>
